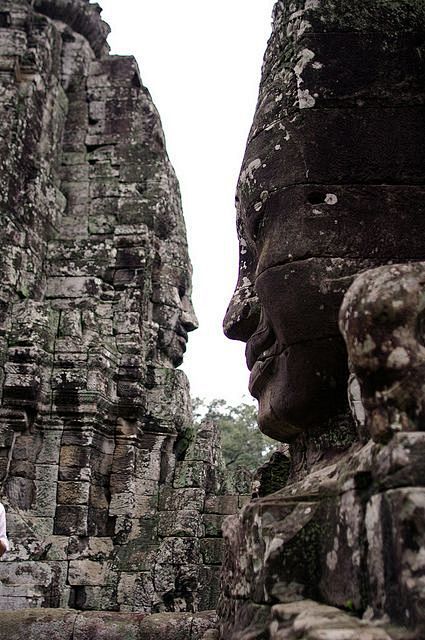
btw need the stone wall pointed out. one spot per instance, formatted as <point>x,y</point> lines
<point>110,491</point>
<point>60,624</point>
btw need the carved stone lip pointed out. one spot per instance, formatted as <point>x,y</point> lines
<point>182,334</point>
<point>182,342</point>
<point>260,359</point>
<point>182,337</point>
<point>260,345</point>
<point>259,375</point>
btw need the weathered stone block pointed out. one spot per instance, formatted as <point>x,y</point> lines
<point>27,574</point>
<point>57,548</point>
<point>71,520</point>
<point>190,498</point>
<point>90,598</point>
<point>135,556</point>
<point>73,493</point>
<point>212,523</point>
<point>99,496</point>
<point>74,287</point>
<point>126,590</point>
<point>400,463</point>
<point>45,490</point>
<point>74,456</point>
<point>212,550</point>
<point>71,474</point>
<point>312,620</point>
<point>209,577</point>
<point>275,536</point>
<point>253,619</point>
<point>122,503</point>
<point>224,505</point>
<point>179,626</point>
<point>395,534</point>
<point>54,624</point>
<point>243,501</point>
<point>49,453</point>
<point>180,523</point>
<point>190,474</point>
<point>33,583</point>
<point>87,572</point>
<point>179,551</point>
<point>107,626</point>
<point>341,543</point>
<point>21,491</point>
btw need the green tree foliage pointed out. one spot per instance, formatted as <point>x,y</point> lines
<point>243,444</point>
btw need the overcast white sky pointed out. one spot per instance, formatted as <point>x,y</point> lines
<point>201,62</point>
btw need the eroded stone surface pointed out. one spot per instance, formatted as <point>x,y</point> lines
<point>59,624</point>
<point>104,476</point>
<point>382,322</point>
<point>349,534</point>
<point>309,620</point>
<point>325,196</point>
<point>322,195</point>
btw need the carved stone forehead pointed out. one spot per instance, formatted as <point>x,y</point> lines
<point>320,176</point>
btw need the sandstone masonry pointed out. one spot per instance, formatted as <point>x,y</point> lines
<point>110,491</point>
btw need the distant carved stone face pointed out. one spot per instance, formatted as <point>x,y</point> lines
<point>173,310</point>
<point>176,321</point>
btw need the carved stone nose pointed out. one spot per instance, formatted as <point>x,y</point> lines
<point>188,318</point>
<point>242,315</point>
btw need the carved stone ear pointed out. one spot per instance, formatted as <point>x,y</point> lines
<point>382,321</point>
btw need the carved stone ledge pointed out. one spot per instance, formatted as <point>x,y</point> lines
<point>60,624</point>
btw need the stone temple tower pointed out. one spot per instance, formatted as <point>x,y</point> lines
<point>103,486</point>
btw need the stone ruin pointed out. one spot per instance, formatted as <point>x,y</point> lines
<point>330,203</point>
<point>111,493</point>
<point>114,501</point>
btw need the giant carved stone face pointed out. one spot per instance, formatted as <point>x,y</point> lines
<point>285,308</point>
<point>172,305</point>
<point>321,196</point>
<point>176,319</point>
